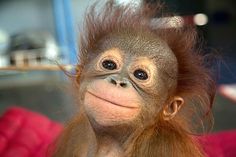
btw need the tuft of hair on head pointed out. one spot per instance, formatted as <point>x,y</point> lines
<point>195,83</point>
<point>113,18</point>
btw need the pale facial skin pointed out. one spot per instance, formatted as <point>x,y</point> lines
<point>123,89</point>
<point>113,100</point>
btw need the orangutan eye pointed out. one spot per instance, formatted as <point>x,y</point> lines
<point>109,64</point>
<point>140,74</point>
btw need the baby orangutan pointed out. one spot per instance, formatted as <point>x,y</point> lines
<point>142,87</point>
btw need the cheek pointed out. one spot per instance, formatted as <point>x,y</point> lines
<point>152,109</point>
<point>106,113</point>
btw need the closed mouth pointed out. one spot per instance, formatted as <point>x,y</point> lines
<point>110,101</point>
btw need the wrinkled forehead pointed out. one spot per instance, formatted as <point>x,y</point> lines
<point>139,45</point>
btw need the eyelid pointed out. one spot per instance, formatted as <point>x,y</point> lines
<point>109,58</point>
<point>144,68</point>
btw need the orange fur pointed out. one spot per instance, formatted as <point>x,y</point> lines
<point>194,83</point>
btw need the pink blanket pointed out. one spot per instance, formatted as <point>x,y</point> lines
<point>28,134</point>
<point>222,144</point>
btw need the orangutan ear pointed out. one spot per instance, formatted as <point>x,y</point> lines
<point>171,109</point>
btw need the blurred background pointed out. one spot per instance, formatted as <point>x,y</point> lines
<point>36,35</point>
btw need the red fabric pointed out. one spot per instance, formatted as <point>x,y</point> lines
<point>221,144</point>
<point>28,134</point>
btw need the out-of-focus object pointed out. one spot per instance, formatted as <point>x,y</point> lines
<point>32,48</point>
<point>168,22</point>
<point>135,3</point>
<point>228,91</point>
<point>24,133</point>
<point>55,67</point>
<point>200,19</point>
<point>31,51</point>
<point>4,39</point>
<point>220,144</point>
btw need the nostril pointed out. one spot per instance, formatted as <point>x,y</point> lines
<point>122,84</point>
<point>113,81</point>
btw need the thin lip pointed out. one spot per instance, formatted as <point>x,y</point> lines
<point>109,101</point>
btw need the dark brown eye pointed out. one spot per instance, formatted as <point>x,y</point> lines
<point>140,74</point>
<point>109,64</point>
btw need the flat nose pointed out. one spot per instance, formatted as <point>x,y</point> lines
<point>118,82</point>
